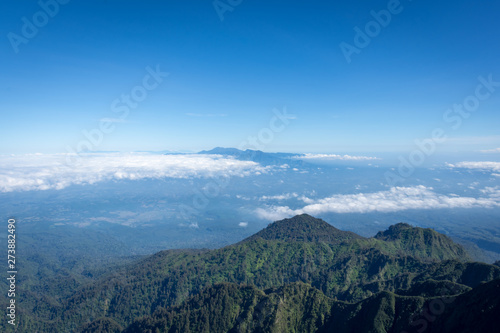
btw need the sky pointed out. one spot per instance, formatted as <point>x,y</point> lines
<point>303,77</point>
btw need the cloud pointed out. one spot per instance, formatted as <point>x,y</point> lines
<point>486,166</point>
<point>306,199</point>
<point>206,114</point>
<point>44,172</point>
<point>335,157</point>
<point>393,200</point>
<point>493,192</point>
<point>128,218</point>
<point>243,224</point>
<point>496,150</point>
<point>284,196</point>
<point>112,120</point>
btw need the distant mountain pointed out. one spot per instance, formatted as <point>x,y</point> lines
<point>256,156</point>
<point>225,151</point>
<point>301,273</point>
<point>304,228</point>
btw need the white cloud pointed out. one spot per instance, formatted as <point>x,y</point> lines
<point>335,157</point>
<point>275,213</point>
<point>306,199</point>
<point>395,199</point>
<point>243,224</point>
<point>112,120</point>
<point>201,115</point>
<point>129,218</point>
<point>496,150</point>
<point>284,196</point>
<point>43,172</point>
<point>493,192</point>
<point>487,166</point>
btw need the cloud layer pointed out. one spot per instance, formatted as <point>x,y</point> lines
<point>487,166</point>
<point>496,150</point>
<point>393,200</point>
<point>43,172</point>
<point>335,157</point>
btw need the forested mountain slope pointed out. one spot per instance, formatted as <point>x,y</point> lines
<point>336,266</point>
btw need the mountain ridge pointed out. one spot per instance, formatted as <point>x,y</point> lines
<point>341,266</point>
<point>257,156</point>
<point>299,307</point>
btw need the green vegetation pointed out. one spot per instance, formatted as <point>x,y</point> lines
<point>422,243</point>
<point>298,307</point>
<point>304,228</point>
<point>297,275</point>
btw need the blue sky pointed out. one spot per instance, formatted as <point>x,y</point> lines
<point>227,76</point>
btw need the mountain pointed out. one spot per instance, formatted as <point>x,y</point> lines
<point>422,242</point>
<point>303,259</point>
<point>257,156</point>
<point>226,151</point>
<point>433,288</point>
<point>298,307</point>
<point>102,325</point>
<point>303,228</point>
<point>295,307</point>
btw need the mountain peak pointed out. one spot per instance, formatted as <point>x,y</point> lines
<point>424,242</point>
<point>257,156</point>
<point>395,231</point>
<point>227,151</point>
<point>303,228</point>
